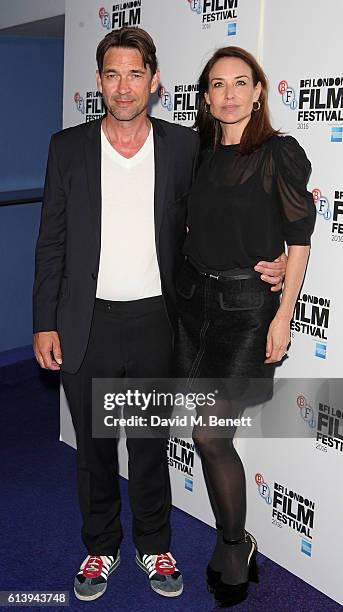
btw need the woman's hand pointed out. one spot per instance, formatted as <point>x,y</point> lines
<point>278,339</point>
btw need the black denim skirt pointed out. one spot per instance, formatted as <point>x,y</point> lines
<point>222,326</point>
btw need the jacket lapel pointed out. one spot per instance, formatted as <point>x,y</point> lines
<point>161,155</point>
<point>93,173</point>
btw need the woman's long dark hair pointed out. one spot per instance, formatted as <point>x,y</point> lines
<point>259,128</point>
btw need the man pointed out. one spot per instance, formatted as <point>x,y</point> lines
<point>112,227</point>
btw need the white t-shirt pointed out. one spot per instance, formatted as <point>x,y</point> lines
<point>128,267</point>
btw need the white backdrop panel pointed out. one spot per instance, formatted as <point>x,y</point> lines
<point>288,37</point>
<point>294,52</point>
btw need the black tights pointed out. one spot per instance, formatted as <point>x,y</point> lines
<point>225,480</point>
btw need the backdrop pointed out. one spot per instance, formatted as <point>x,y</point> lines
<point>294,495</point>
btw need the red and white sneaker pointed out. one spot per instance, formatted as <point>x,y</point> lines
<point>91,580</point>
<point>164,576</point>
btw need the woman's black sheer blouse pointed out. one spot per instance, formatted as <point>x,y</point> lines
<point>243,208</point>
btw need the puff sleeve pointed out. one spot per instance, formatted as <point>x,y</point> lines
<point>292,173</point>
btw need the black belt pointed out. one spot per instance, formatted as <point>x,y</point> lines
<point>233,274</point>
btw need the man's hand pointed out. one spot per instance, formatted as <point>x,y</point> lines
<point>273,272</point>
<point>47,350</point>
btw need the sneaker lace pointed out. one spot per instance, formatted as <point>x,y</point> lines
<point>93,564</point>
<point>165,563</point>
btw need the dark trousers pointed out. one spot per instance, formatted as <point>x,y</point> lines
<point>127,339</point>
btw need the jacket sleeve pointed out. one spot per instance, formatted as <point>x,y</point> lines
<point>50,248</point>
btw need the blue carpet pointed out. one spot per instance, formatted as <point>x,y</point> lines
<point>40,522</point>
<point>16,355</point>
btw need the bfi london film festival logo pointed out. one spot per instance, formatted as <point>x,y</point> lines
<point>311,317</point>
<point>324,211</point>
<point>183,101</point>
<point>263,488</point>
<point>91,105</point>
<point>124,14</point>
<point>322,204</point>
<point>105,18</point>
<point>181,457</point>
<point>289,509</point>
<point>329,428</point>
<point>328,424</point>
<point>306,411</point>
<point>195,6</point>
<point>337,219</point>
<point>216,11</point>
<point>288,95</point>
<point>319,100</point>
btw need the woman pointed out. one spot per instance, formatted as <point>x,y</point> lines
<point>249,198</point>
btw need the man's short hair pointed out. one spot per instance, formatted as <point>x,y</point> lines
<point>130,38</point>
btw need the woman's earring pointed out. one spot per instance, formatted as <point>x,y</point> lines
<point>207,108</point>
<point>257,107</point>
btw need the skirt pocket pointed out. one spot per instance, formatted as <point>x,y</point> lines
<point>241,301</point>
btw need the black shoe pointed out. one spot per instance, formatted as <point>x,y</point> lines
<point>213,576</point>
<point>228,595</point>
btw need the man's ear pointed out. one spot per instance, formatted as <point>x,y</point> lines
<point>155,81</point>
<point>98,81</point>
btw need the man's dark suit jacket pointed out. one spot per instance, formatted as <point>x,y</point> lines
<point>68,247</point>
